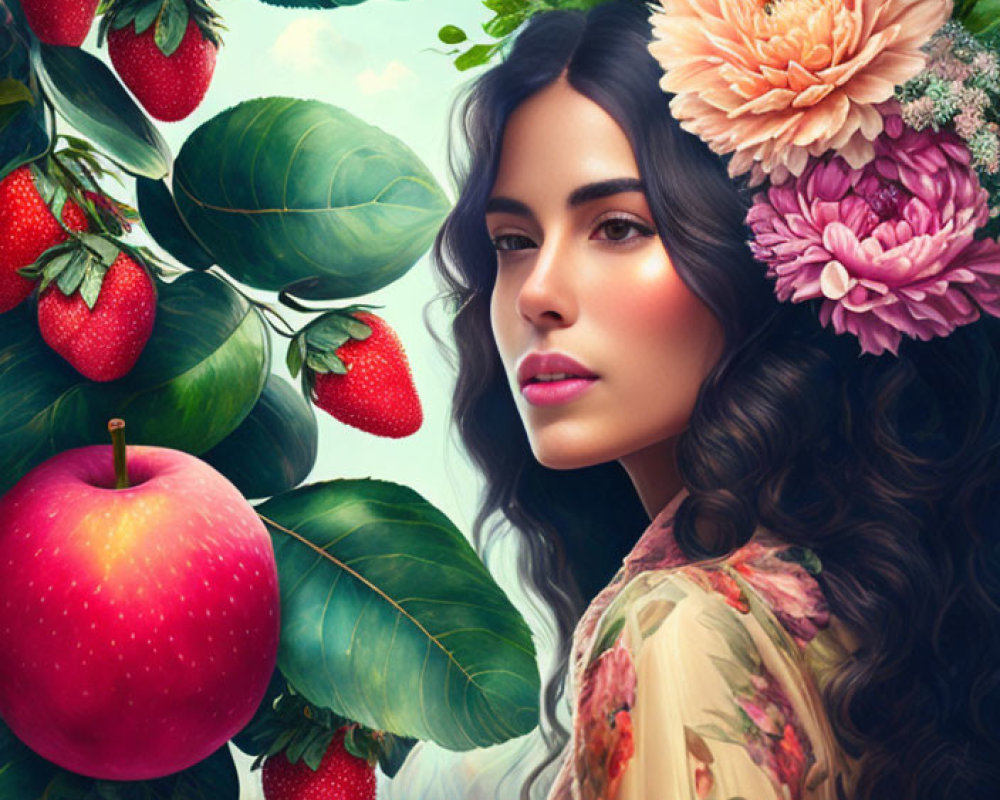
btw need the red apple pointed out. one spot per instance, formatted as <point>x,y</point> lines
<point>140,625</point>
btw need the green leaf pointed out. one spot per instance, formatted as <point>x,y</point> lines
<point>90,98</point>
<point>23,774</point>
<point>274,448</point>
<point>498,27</point>
<point>504,7</point>
<point>282,190</point>
<point>295,355</point>
<point>142,16</point>
<point>171,26</point>
<point>395,749</point>
<point>91,286</point>
<point>983,18</point>
<point>452,34</point>
<point>23,135</point>
<point>390,618</point>
<point>198,377</point>
<point>72,275</point>
<point>164,224</point>
<point>475,56</point>
<point>14,91</point>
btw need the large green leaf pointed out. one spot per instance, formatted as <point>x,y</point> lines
<point>164,224</point>
<point>91,99</point>
<point>274,448</point>
<point>390,618</point>
<point>23,137</point>
<point>199,376</point>
<point>282,190</point>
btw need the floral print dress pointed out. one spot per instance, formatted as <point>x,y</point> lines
<point>702,681</point>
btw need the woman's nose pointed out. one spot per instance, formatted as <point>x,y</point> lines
<point>547,296</point>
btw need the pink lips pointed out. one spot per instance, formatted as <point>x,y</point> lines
<point>543,393</point>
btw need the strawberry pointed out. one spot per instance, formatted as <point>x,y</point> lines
<point>62,22</point>
<point>104,342</point>
<point>341,776</point>
<point>170,83</point>
<point>367,383</point>
<point>27,229</point>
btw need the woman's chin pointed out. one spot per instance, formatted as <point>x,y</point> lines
<point>568,455</point>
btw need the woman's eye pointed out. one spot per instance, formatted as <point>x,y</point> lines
<point>512,241</point>
<point>621,229</point>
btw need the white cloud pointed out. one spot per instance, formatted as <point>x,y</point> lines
<point>310,43</point>
<point>372,82</point>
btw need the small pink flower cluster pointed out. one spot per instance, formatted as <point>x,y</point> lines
<point>960,85</point>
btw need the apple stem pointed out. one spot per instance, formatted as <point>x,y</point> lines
<point>116,428</point>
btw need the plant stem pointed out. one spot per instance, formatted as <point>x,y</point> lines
<point>116,428</point>
<point>264,307</point>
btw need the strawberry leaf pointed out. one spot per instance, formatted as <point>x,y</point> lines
<point>71,276</point>
<point>104,249</point>
<point>54,267</point>
<point>90,288</point>
<point>171,26</point>
<point>325,362</point>
<point>296,355</point>
<point>393,753</point>
<point>144,16</point>
<point>298,747</point>
<point>313,754</point>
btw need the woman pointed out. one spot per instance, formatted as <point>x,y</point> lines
<point>811,612</point>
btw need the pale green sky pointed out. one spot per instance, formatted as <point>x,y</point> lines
<point>380,60</point>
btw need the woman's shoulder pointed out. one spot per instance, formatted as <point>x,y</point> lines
<point>766,580</point>
<point>739,639</point>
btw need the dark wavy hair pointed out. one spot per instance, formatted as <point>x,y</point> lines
<point>886,467</point>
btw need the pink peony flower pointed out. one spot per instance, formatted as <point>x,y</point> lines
<point>775,81</point>
<point>888,247</point>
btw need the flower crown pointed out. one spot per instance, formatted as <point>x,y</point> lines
<point>871,127</point>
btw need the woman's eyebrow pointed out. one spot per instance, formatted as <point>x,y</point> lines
<point>595,191</point>
<point>579,196</point>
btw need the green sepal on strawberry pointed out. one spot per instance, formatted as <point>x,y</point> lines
<point>164,51</point>
<point>339,776</point>
<point>304,747</point>
<point>96,304</point>
<point>355,369</point>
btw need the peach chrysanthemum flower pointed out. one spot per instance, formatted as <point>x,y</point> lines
<point>775,81</point>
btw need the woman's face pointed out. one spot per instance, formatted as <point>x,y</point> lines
<point>604,346</point>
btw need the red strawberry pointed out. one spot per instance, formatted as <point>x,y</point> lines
<point>341,776</point>
<point>169,87</point>
<point>102,344</point>
<point>64,22</point>
<point>27,229</point>
<point>377,394</point>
